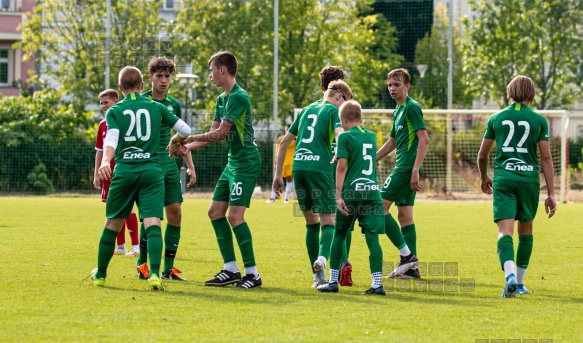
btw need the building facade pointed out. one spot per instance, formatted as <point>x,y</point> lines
<point>13,71</point>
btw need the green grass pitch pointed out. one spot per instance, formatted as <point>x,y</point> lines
<point>49,244</point>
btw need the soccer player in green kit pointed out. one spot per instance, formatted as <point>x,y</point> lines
<point>409,138</point>
<point>233,121</point>
<point>518,131</point>
<point>160,74</point>
<point>357,196</point>
<point>138,174</point>
<point>316,126</point>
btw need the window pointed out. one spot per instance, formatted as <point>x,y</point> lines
<point>5,5</point>
<point>4,67</point>
<point>168,4</point>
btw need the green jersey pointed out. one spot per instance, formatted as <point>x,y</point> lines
<point>165,132</point>
<point>139,122</point>
<point>359,146</point>
<point>236,108</point>
<point>517,130</point>
<point>314,127</point>
<point>407,120</point>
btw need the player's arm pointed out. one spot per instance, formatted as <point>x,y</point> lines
<point>340,177</point>
<point>190,169</point>
<point>386,149</point>
<point>421,152</point>
<point>215,134</point>
<point>109,146</point>
<point>96,180</point>
<point>281,153</point>
<point>486,181</point>
<point>547,168</point>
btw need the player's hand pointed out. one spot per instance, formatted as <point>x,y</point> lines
<point>277,185</point>
<point>192,174</point>
<point>180,150</point>
<point>104,171</point>
<point>342,208</point>
<point>96,181</point>
<point>550,206</point>
<point>415,183</point>
<point>486,185</point>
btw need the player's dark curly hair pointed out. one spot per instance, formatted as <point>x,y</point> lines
<point>161,64</point>
<point>330,73</point>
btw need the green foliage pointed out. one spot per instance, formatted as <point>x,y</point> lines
<point>310,29</point>
<point>39,181</point>
<point>432,51</point>
<point>69,40</point>
<point>536,38</point>
<point>39,118</point>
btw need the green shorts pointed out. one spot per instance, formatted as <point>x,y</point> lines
<point>145,188</point>
<point>315,191</point>
<point>514,200</point>
<point>236,186</point>
<point>370,215</point>
<point>397,188</point>
<point>172,186</point>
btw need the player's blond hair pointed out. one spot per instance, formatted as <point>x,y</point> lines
<point>110,93</point>
<point>130,78</point>
<point>351,110</point>
<point>400,74</point>
<point>341,87</point>
<point>521,89</point>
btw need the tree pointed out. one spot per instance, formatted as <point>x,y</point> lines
<point>536,38</point>
<point>68,39</point>
<point>312,33</point>
<point>432,51</point>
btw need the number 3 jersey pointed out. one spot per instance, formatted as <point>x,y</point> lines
<point>517,130</point>
<point>359,147</point>
<point>314,128</point>
<point>139,121</point>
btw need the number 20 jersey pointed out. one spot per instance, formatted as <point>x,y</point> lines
<point>139,121</point>
<point>517,130</point>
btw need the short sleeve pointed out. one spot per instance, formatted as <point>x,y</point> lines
<point>490,133</point>
<point>544,130</point>
<point>168,118</point>
<point>336,119</point>
<point>416,117</point>
<point>235,106</point>
<point>110,119</point>
<point>101,131</point>
<point>293,129</point>
<point>342,146</point>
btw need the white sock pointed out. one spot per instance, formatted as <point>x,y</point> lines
<point>231,266</point>
<point>520,274</point>
<point>252,270</point>
<point>508,268</point>
<point>273,195</point>
<point>121,247</point>
<point>404,251</point>
<point>136,247</point>
<point>288,189</point>
<point>377,280</point>
<point>334,274</point>
<point>323,259</point>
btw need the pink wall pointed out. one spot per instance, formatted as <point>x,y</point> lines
<point>9,23</point>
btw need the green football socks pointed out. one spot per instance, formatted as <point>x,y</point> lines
<point>171,240</point>
<point>313,242</point>
<point>410,237</point>
<point>143,258</point>
<point>524,251</point>
<point>394,232</point>
<point>224,238</point>
<point>155,243</point>
<point>245,242</point>
<point>505,250</point>
<point>105,251</point>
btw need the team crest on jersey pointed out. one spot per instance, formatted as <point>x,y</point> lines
<point>133,153</point>
<point>304,154</point>
<point>171,108</point>
<point>516,164</point>
<point>363,184</point>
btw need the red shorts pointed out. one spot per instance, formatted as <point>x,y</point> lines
<point>104,189</point>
